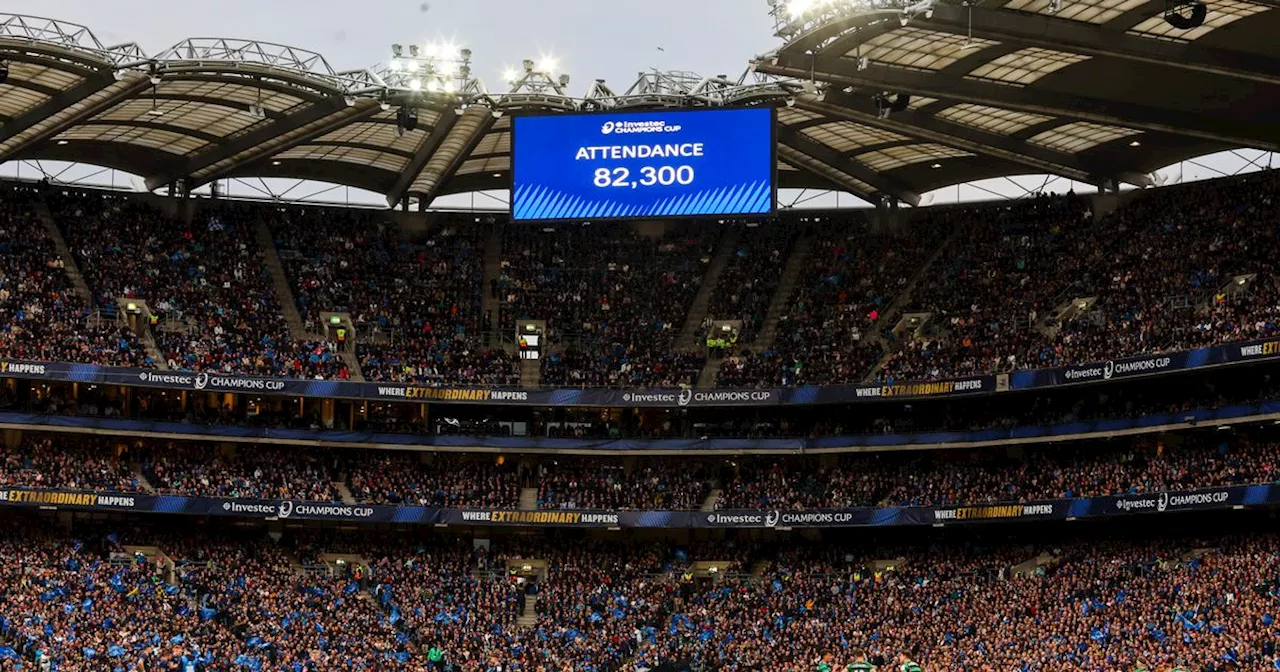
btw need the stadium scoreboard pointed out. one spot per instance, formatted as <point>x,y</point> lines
<point>668,163</point>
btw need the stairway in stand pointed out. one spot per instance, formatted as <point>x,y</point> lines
<point>528,499</point>
<point>344,492</point>
<point>783,296</point>
<point>710,371</point>
<point>81,287</point>
<point>530,616</point>
<point>530,373</point>
<point>280,282</point>
<point>709,504</point>
<point>890,315</point>
<point>143,483</point>
<point>489,304</point>
<point>352,361</point>
<point>64,252</point>
<point>687,339</point>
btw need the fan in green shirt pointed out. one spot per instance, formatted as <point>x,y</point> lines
<point>905,664</point>
<point>435,654</point>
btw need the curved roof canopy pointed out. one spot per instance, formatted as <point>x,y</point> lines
<point>880,98</point>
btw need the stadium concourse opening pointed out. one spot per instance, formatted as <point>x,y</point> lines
<point>646,419</point>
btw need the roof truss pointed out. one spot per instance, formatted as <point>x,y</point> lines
<point>845,72</point>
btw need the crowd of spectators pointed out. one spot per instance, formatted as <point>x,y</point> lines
<point>595,484</point>
<point>205,282</point>
<point>750,277</point>
<point>251,472</point>
<point>850,277</point>
<point>76,463</point>
<point>1161,268</point>
<point>1175,268</point>
<point>415,303</point>
<point>616,296</point>
<point>946,478</point>
<point>441,480</point>
<point>41,315</point>
<point>1096,599</point>
<point>1144,604</point>
<point>921,478</point>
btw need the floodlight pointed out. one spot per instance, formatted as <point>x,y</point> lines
<point>796,8</point>
<point>547,64</point>
<point>415,84</point>
<point>528,65</point>
<point>395,65</point>
<point>413,51</point>
<point>509,75</point>
<point>564,80</point>
<point>397,50</point>
<point>449,86</point>
<point>433,86</point>
<point>466,54</point>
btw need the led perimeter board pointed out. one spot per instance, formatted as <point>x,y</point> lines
<point>681,163</point>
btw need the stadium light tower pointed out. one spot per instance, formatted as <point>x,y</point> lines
<point>537,76</point>
<point>434,68</point>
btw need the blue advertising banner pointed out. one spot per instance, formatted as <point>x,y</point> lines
<point>669,163</point>
<point>1099,372</point>
<point>1225,497</point>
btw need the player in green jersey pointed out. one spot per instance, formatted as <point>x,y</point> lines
<point>860,663</point>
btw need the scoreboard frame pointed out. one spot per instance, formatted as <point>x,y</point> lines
<point>773,162</point>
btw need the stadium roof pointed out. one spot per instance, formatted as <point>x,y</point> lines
<point>1098,91</point>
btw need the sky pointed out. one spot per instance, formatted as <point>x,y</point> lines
<point>609,39</point>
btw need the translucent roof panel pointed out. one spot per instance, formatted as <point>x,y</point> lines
<point>1221,13</point>
<point>918,102</point>
<point>783,165</point>
<point>234,94</point>
<point>493,143</point>
<point>152,138</point>
<point>53,78</point>
<point>897,157</point>
<point>489,165</point>
<point>15,101</point>
<point>992,119</point>
<point>792,115</point>
<point>204,117</point>
<point>383,134</point>
<point>918,49</point>
<point>1024,66</point>
<point>1091,11</point>
<point>1078,136</point>
<point>846,136</point>
<point>357,155</point>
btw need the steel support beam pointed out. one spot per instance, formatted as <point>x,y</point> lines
<point>465,134</point>
<point>839,164</point>
<point>267,139</point>
<point>844,72</point>
<point>423,153</point>
<point>823,176</point>
<point>83,101</point>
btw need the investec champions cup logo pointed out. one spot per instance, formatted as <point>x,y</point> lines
<point>611,127</point>
<point>1108,370</point>
<point>286,509</point>
<point>202,381</point>
<point>1163,502</point>
<point>686,395</point>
